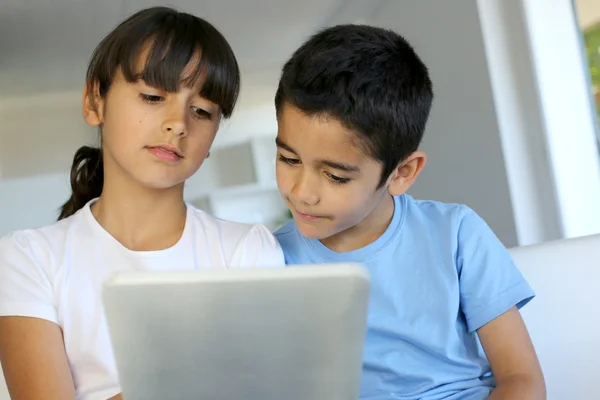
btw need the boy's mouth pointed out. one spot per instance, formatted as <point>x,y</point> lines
<point>306,217</point>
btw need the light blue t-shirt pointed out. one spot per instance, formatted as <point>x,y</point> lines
<point>438,274</point>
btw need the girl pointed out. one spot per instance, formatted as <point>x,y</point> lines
<point>157,87</point>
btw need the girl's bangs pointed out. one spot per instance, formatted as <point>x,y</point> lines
<point>170,43</point>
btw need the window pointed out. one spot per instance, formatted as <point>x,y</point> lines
<point>591,38</point>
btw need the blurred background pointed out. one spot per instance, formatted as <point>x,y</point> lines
<point>513,132</point>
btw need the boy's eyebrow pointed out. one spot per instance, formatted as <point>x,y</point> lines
<point>340,166</point>
<point>333,164</point>
<point>283,145</point>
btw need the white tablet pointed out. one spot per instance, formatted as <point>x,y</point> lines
<point>293,333</point>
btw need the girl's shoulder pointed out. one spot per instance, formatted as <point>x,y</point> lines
<point>242,244</point>
<point>230,231</point>
<point>39,242</point>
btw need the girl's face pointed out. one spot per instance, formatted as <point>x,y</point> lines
<point>154,138</point>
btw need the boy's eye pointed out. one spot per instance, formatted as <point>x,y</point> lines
<point>151,98</point>
<point>201,113</point>
<point>289,161</point>
<point>336,179</point>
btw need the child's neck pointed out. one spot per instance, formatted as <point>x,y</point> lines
<point>142,219</point>
<point>367,231</point>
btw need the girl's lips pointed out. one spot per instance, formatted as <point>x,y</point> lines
<point>165,154</point>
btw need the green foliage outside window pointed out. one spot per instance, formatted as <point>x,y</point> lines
<point>592,47</point>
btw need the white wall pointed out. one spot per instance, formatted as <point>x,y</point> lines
<point>39,134</point>
<point>512,131</point>
<point>38,138</point>
<point>521,127</point>
<point>466,162</point>
<point>32,201</point>
<point>567,111</point>
<point>547,118</point>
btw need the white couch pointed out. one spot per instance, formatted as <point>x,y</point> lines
<point>3,389</point>
<point>564,318</point>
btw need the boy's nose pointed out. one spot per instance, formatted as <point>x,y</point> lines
<point>304,191</point>
<point>308,200</point>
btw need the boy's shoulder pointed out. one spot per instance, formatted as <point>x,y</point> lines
<point>444,218</point>
<point>435,210</point>
<point>288,235</point>
<point>427,223</point>
<point>412,211</point>
<point>287,229</point>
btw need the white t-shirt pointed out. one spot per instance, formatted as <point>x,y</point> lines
<point>56,273</point>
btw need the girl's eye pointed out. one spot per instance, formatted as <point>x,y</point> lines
<point>151,98</point>
<point>201,114</point>
<point>336,179</point>
<point>289,161</point>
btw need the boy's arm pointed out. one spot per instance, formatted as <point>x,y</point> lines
<point>492,289</point>
<point>512,357</point>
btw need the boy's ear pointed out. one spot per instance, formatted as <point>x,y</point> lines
<point>405,174</point>
<point>93,105</point>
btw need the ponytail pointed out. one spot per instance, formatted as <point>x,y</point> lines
<point>87,179</point>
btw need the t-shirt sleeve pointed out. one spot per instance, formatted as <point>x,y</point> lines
<point>259,249</point>
<point>490,283</point>
<point>25,287</point>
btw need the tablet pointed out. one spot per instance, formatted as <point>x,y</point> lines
<point>293,333</point>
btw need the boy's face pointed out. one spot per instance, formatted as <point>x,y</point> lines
<point>327,181</point>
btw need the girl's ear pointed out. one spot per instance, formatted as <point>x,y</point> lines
<point>93,105</point>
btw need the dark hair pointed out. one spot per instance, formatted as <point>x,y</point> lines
<point>370,80</point>
<point>172,39</point>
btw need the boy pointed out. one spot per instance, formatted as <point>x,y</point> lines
<point>352,105</point>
